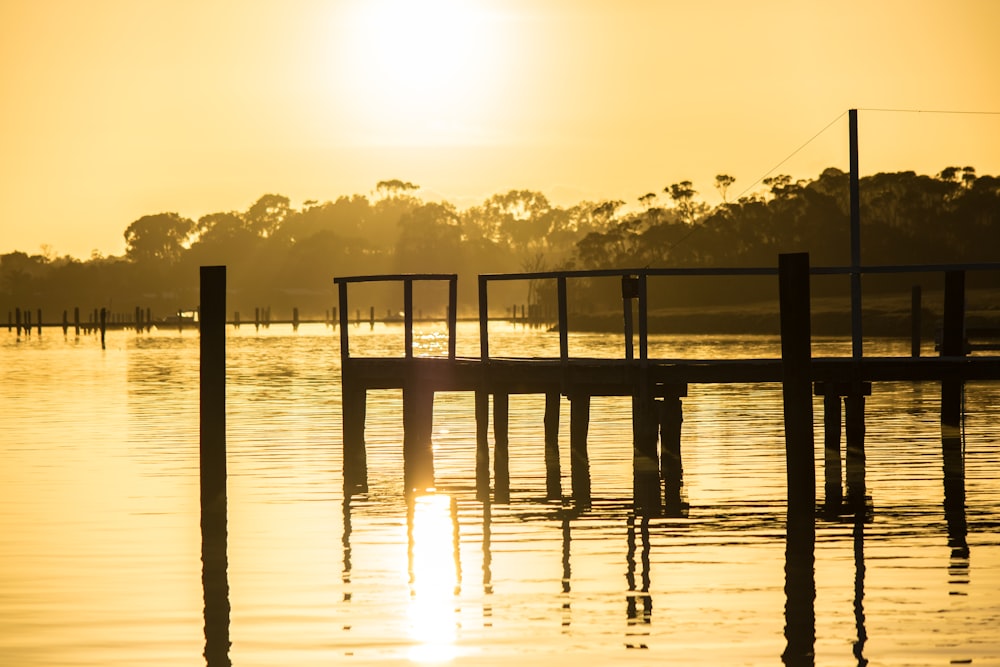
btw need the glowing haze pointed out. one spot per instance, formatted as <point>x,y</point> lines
<point>113,109</point>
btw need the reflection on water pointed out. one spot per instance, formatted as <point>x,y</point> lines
<point>435,576</point>
<point>99,479</point>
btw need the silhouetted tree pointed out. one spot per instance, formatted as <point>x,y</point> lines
<point>159,237</point>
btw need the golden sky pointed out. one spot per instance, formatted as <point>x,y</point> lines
<point>113,109</point>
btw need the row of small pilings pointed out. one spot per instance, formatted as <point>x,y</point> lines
<point>100,319</point>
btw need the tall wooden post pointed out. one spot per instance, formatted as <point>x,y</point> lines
<point>553,482</point>
<point>213,463</point>
<point>39,325</point>
<point>796,357</point>
<point>855,191</point>
<point>76,320</point>
<point>213,384</point>
<point>17,315</point>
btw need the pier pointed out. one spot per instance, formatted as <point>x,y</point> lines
<point>657,386</point>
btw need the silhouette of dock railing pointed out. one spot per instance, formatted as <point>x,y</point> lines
<point>656,385</point>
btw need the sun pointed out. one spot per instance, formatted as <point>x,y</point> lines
<point>424,72</point>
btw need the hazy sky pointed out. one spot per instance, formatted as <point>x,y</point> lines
<point>113,109</point>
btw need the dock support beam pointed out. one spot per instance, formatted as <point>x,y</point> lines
<point>418,424</point>
<point>482,445</point>
<point>853,396</point>
<point>671,462</point>
<point>501,448</point>
<point>579,459</point>
<point>645,459</point>
<point>553,474</point>
<point>355,406</point>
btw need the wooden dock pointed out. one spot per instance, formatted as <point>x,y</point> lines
<point>656,385</point>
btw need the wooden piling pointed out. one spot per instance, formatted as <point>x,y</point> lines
<point>796,358</point>
<point>103,319</point>
<point>149,320</point>
<point>645,459</point>
<point>832,466</point>
<point>256,318</point>
<point>17,315</point>
<point>354,407</point>
<point>76,320</point>
<point>579,425</point>
<point>953,345</point>
<point>212,461</point>
<point>213,384</point>
<point>671,462</point>
<point>854,427</point>
<point>39,325</point>
<point>418,422</point>
<point>501,447</point>
<point>295,319</point>
<point>371,317</point>
<point>65,322</point>
<point>482,399</point>
<point>553,474</point>
<point>236,319</point>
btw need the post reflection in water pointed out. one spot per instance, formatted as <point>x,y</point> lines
<point>566,571</point>
<point>635,617</point>
<point>215,582</point>
<point>953,454</point>
<point>800,593</point>
<point>435,575</point>
<point>859,588</point>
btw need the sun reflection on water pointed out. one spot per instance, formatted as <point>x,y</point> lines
<point>434,577</point>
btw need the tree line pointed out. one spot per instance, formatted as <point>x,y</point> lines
<point>282,256</point>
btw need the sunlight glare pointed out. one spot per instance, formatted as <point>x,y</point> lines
<point>422,72</point>
<point>434,579</point>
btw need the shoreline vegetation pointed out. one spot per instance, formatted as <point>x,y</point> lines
<point>281,257</point>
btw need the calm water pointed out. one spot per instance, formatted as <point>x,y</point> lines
<point>100,555</point>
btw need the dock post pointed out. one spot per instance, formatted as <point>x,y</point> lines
<point>482,445</point>
<point>213,384</point>
<point>915,323</point>
<point>295,319</point>
<point>553,474</point>
<point>854,427</point>
<point>104,325</point>
<point>17,314</point>
<point>39,325</point>
<point>833,473</point>
<point>65,322</point>
<point>418,424</point>
<point>256,318</point>
<point>953,345</point>
<point>579,425</point>
<point>800,540</point>
<point>354,410</point>
<point>796,357</point>
<point>501,447</point>
<point>371,317</point>
<point>76,320</point>
<point>645,459</point>
<point>212,456</point>
<point>671,462</point>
